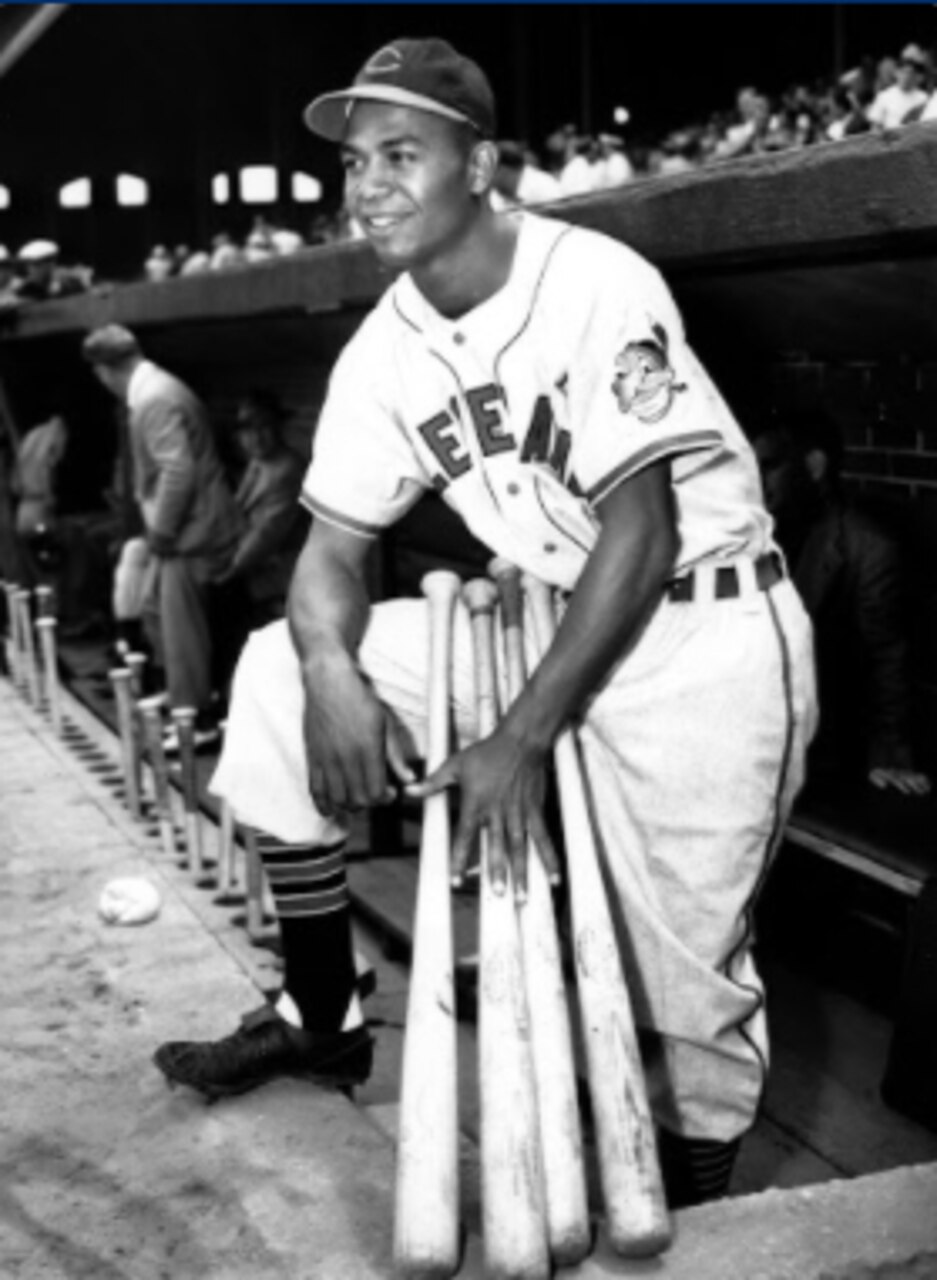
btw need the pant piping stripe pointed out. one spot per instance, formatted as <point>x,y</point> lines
<point>775,835</point>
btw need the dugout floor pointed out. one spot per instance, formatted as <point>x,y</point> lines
<point>105,1172</point>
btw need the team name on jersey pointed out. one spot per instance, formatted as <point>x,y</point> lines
<point>544,440</point>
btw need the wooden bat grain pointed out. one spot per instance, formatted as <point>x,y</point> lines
<point>637,1221</point>
<point>426,1215</point>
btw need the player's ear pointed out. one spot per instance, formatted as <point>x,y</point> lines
<point>483,164</point>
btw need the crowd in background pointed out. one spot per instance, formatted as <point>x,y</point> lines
<point>882,93</point>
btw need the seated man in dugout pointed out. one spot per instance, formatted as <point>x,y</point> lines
<point>251,589</point>
<point>537,374</point>
<point>847,568</point>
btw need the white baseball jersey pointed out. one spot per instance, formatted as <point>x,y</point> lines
<point>527,412</point>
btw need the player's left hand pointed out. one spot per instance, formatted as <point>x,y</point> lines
<point>502,785</point>
<point>908,781</point>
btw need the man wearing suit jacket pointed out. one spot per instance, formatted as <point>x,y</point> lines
<point>188,510</point>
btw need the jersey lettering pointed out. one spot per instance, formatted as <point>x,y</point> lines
<point>545,441</point>
<point>446,447</point>
<point>536,447</point>
<point>489,425</point>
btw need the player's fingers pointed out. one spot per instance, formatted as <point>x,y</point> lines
<point>515,831</point>
<point>464,843</point>
<point>544,846</point>
<point>397,760</point>
<point>447,775</point>
<point>497,853</point>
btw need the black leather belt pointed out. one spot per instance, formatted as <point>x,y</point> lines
<point>727,584</point>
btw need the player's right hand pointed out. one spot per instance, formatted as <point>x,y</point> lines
<point>350,740</point>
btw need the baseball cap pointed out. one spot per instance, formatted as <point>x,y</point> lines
<point>110,344</point>
<point>38,251</point>
<point>427,74</point>
<point>915,55</point>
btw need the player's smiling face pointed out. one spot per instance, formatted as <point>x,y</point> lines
<point>408,183</point>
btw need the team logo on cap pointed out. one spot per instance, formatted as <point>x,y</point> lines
<point>645,383</point>
<point>384,61</point>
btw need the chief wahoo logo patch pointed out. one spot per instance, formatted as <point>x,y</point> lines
<point>645,383</point>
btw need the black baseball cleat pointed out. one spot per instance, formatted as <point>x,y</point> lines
<point>263,1048</point>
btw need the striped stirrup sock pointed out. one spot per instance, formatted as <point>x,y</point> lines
<point>695,1170</point>
<point>310,892</point>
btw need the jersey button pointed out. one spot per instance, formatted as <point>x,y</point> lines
<point>549,548</point>
<point>514,489</point>
<point>458,338</point>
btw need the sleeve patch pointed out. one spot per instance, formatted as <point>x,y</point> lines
<point>645,384</point>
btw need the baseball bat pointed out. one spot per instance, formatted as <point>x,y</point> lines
<point>50,670</point>
<point>45,601</point>
<point>152,723</point>
<point>12,643</point>
<point>426,1216</point>
<point>129,756</point>
<point>184,720</point>
<point>31,687</point>
<point>229,891</point>
<point>513,1200</point>
<point>551,1039</point>
<point>635,1206</point>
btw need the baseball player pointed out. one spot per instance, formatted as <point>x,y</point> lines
<point>538,377</point>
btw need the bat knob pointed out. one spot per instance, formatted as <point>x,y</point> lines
<point>480,595</point>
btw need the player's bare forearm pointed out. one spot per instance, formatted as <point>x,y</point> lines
<point>617,592</point>
<point>328,602</point>
<point>345,726</point>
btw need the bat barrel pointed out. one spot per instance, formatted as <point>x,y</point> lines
<point>129,741</point>
<point>567,1203</point>
<point>513,1199</point>
<point>426,1215</point>
<point>637,1222</point>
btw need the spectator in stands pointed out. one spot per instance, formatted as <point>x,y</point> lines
<point>847,569</point>
<point>225,253</point>
<point>188,511</point>
<point>519,180</point>
<point>746,135</point>
<point>8,291</point>
<point>577,176</point>
<point>611,164</point>
<point>43,277</point>
<point>904,100</point>
<point>159,265</point>
<point>273,527</point>
<point>929,111</point>
<point>848,107</point>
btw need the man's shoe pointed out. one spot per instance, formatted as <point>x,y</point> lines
<point>263,1048</point>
